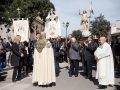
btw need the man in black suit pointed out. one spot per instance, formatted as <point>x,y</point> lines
<point>116,51</point>
<point>56,47</point>
<point>88,57</point>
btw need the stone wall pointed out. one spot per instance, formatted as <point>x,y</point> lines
<point>37,26</point>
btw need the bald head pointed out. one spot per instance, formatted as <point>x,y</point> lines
<point>73,39</point>
<point>43,34</point>
<point>102,40</point>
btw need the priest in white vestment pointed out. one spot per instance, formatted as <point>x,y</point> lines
<point>44,68</point>
<point>105,64</point>
<point>52,25</point>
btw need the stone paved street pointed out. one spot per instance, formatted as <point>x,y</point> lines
<point>64,82</point>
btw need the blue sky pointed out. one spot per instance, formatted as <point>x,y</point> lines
<point>67,10</point>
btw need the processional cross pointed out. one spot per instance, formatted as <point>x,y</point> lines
<point>18,9</point>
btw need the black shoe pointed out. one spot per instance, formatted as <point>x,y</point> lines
<point>89,77</point>
<point>14,81</point>
<point>70,75</point>
<point>76,75</point>
<point>102,87</point>
<point>57,74</point>
<point>110,85</point>
<point>18,79</point>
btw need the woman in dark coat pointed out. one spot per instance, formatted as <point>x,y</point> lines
<point>16,56</point>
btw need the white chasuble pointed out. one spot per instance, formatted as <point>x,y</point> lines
<point>44,67</point>
<point>105,65</point>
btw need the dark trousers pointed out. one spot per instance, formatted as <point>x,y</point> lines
<point>116,60</point>
<point>19,69</point>
<point>57,65</point>
<point>15,70</point>
<point>74,64</point>
<point>88,68</point>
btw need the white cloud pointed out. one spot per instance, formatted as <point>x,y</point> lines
<point>67,10</point>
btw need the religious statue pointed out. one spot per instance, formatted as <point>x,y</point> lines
<point>52,25</point>
<point>84,22</point>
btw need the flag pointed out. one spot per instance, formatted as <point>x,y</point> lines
<point>91,8</point>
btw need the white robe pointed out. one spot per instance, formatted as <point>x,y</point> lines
<point>105,65</point>
<point>44,67</point>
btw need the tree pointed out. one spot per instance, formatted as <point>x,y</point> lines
<point>77,34</point>
<point>4,7</point>
<point>29,9</point>
<point>99,26</point>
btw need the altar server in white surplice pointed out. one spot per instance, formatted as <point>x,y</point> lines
<point>105,65</point>
<point>44,67</point>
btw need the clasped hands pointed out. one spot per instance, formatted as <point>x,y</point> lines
<point>22,54</point>
<point>96,58</point>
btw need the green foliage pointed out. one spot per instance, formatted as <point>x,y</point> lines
<point>29,9</point>
<point>77,34</point>
<point>99,26</point>
<point>4,7</point>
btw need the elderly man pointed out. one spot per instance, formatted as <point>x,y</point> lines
<point>105,65</point>
<point>44,68</point>
<point>74,57</point>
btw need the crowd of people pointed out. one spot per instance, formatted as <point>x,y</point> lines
<point>43,56</point>
<point>9,55</point>
<point>5,51</point>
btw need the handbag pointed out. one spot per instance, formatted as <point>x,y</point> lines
<point>0,67</point>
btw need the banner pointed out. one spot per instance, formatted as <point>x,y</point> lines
<point>21,27</point>
<point>91,8</point>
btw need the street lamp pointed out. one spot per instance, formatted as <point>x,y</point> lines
<point>66,25</point>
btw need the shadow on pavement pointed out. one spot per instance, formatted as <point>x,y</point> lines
<point>3,76</point>
<point>95,81</point>
<point>117,87</point>
<point>92,80</point>
<point>24,75</point>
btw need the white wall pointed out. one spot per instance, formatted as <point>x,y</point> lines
<point>118,24</point>
<point>3,33</point>
<point>114,30</point>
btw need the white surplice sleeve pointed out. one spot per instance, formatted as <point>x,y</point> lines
<point>105,51</point>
